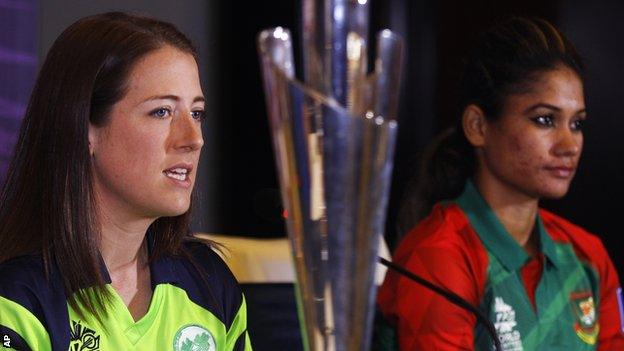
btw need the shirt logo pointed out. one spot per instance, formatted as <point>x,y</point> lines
<point>83,338</point>
<point>505,325</point>
<point>585,325</point>
<point>194,338</point>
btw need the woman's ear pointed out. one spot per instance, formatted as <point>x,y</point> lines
<point>92,137</point>
<point>474,125</point>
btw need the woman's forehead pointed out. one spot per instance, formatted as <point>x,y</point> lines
<point>559,88</point>
<point>164,72</point>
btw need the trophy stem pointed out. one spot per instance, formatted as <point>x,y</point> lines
<point>333,138</point>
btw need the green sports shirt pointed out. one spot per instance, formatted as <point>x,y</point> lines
<point>196,305</point>
<point>567,297</point>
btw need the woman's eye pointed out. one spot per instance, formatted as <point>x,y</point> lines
<point>545,121</point>
<point>199,115</point>
<point>577,125</point>
<point>161,112</point>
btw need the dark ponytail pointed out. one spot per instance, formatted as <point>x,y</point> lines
<point>505,60</point>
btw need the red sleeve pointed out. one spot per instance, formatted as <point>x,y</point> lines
<point>445,250</point>
<point>611,335</point>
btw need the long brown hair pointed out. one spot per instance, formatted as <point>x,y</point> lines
<point>47,203</point>
<point>504,61</point>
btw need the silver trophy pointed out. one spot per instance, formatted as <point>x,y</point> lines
<point>333,137</point>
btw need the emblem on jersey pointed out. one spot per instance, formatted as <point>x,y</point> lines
<point>83,338</point>
<point>586,326</point>
<point>505,325</point>
<point>194,338</point>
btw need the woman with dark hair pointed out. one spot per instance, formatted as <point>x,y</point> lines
<point>543,282</point>
<point>95,247</point>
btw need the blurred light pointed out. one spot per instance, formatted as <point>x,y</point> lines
<point>280,33</point>
<point>355,46</point>
<point>339,13</point>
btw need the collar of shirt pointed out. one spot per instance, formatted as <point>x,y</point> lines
<point>494,235</point>
<point>162,269</point>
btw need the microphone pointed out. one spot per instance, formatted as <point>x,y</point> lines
<point>450,296</point>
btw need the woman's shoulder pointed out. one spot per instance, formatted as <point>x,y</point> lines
<point>211,285</point>
<point>446,250</point>
<point>205,256</point>
<point>23,275</point>
<point>562,230</point>
<point>27,293</point>
<point>31,264</point>
<point>445,226</point>
<point>444,236</point>
<point>588,246</point>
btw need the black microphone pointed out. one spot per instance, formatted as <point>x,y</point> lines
<point>450,296</point>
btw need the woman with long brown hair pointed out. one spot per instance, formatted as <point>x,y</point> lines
<point>544,283</point>
<point>95,247</point>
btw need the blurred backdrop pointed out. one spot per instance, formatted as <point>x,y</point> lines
<point>238,191</point>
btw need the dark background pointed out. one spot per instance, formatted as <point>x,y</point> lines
<point>437,33</point>
<point>237,185</point>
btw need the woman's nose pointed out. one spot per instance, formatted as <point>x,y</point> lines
<point>569,142</point>
<point>187,133</point>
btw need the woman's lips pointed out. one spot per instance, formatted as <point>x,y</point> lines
<point>562,172</point>
<point>178,180</point>
<point>180,174</point>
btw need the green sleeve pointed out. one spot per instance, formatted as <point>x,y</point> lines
<point>238,330</point>
<point>20,320</point>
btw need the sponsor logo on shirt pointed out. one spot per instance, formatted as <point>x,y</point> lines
<point>83,338</point>
<point>585,326</point>
<point>505,325</point>
<point>194,338</point>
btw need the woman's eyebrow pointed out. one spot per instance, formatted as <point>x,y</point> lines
<point>172,97</point>
<point>550,107</point>
<point>542,105</point>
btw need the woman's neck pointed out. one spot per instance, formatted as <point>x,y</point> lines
<point>122,240</point>
<point>124,250</point>
<point>515,210</point>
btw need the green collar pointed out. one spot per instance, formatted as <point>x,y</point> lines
<point>494,235</point>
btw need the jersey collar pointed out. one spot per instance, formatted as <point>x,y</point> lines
<point>494,235</point>
<point>162,269</point>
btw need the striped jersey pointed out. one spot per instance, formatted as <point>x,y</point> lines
<point>564,298</point>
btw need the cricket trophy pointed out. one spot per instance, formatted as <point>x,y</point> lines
<point>333,136</point>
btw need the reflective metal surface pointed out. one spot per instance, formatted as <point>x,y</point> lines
<point>333,139</point>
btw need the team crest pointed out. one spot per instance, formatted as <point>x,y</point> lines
<point>586,326</point>
<point>83,338</point>
<point>194,338</point>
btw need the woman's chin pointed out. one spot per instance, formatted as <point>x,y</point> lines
<point>555,192</point>
<point>175,208</point>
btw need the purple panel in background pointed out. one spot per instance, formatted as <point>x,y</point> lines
<point>18,68</point>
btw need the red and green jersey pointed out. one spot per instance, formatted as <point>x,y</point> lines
<point>564,298</point>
